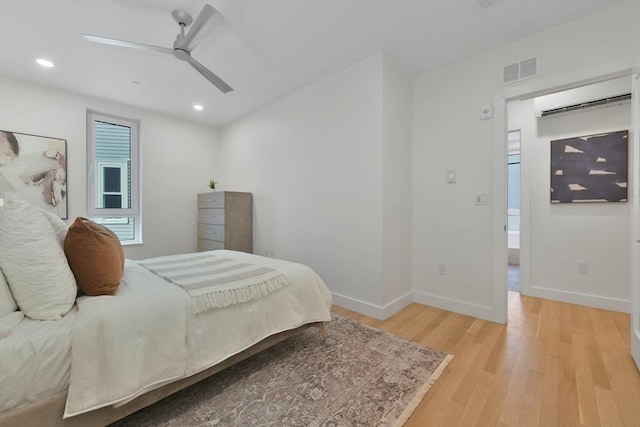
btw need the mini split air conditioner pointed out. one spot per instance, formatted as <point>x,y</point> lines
<point>610,92</point>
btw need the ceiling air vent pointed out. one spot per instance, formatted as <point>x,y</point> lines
<point>522,70</point>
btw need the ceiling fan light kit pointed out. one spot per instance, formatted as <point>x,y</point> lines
<point>205,22</point>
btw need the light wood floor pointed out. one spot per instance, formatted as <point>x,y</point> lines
<point>553,364</point>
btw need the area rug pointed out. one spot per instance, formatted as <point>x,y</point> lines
<point>356,376</point>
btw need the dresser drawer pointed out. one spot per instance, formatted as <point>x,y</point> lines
<point>211,216</point>
<point>209,245</point>
<point>214,199</point>
<point>211,232</point>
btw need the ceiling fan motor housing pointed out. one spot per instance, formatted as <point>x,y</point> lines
<point>182,17</point>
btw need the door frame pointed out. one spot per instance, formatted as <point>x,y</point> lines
<point>635,217</point>
<point>525,90</point>
<point>525,168</point>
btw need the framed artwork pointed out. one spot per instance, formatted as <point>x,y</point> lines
<point>590,168</point>
<point>35,168</point>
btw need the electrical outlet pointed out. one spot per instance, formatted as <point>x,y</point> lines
<point>442,269</point>
<point>583,267</point>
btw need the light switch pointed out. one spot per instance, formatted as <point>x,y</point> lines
<point>481,199</point>
<point>451,176</point>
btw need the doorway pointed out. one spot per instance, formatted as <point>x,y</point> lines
<point>560,249</point>
<point>502,99</point>
<point>513,209</point>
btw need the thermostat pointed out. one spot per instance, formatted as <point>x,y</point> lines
<point>486,112</point>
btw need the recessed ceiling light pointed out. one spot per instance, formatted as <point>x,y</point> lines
<point>198,107</point>
<point>44,63</point>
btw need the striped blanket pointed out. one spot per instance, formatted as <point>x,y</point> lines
<point>213,281</point>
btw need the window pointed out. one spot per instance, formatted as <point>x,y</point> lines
<point>113,179</point>
<point>111,192</point>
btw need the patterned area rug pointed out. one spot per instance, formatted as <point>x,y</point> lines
<point>357,376</point>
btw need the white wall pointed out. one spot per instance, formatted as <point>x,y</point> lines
<point>313,162</point>
<point>448,134</point>
<point>562,234</point>
<point>178,158</point>
<point>397,186</point>
<point>330,172</point>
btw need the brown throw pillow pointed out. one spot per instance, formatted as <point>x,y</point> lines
<point>95,256</point>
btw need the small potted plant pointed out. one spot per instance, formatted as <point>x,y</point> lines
<point>212,184</point>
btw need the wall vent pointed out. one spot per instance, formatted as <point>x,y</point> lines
<point>521,70</point>
<point>596,95</point>
<point>614,100</point>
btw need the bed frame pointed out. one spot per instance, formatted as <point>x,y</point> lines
<point>48,412</point>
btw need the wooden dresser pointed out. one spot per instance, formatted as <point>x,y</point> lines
<point>225,221</point>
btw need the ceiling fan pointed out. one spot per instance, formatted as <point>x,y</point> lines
<point>207,19</point>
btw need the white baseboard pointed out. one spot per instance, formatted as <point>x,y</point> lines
<point>605,303</point>
<point>635,347</point>
<point>397,304</point>
<point>373,310</point>
<point>475,310</point>
<point>458,306</point>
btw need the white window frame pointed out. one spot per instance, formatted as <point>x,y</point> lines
<point>114,215</point>
<point>111,220</point>
<point>124,178</point>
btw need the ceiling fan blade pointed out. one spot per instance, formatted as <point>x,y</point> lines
<point>123,43</point>
<point>206,21</point>
<point>217,81</point>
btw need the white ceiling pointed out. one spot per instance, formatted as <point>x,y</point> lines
<point>265,49</point>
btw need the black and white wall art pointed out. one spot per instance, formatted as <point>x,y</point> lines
<point>590,168</point>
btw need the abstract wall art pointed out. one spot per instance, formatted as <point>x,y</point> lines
<point>35,168</point>
<point>590,168</point>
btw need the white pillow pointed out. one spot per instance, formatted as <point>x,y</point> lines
<point>7,303</point>
<point>34,263</point>
<point>57,224</point>
<point>8,322</point>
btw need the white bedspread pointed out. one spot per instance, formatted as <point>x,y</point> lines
<point>146,335</point>
<point>35,360</point>
<point>126,344</point>
<point>219,334</point>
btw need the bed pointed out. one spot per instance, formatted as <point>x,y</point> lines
<point>114,354</point>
